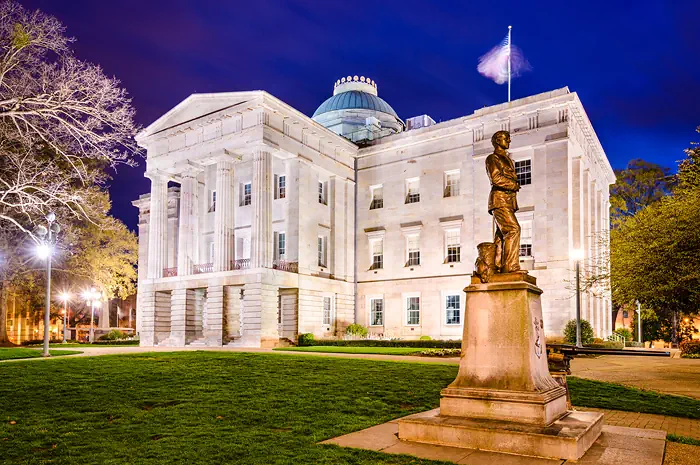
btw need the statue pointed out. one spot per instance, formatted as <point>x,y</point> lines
<point>503,255</point>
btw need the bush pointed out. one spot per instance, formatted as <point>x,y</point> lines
<point>690,348</point>
<point>570,332</point>
<point>356,330</point>
<point>38,342</point>
<point>114,335</point>
<point>306,339</point>
<point>436,344</point>
<point>425,338</point>
<point>606,345</point>
<point>441,352</point>
<point>624,332</point>
<point>118,342</point>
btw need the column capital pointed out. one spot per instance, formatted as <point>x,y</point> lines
<point>157,175</point>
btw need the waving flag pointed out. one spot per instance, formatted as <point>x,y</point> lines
<point>503,62</point>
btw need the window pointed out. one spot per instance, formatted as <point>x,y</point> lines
<point>322,193</point>
<point>281,245</point>
<point>452,243</point>
<point>451,184</point>
<point>242,248</point>
<point>452,309</point>
<point>246,194</point>
<point>563,115</point>
<point>526,238</point>
<point>327,311</point>
<point>212,202</point>
<point>412,190</point>
<point>413,310</point>
<point>280,187</point>
<point>413,250</point>
<point>523,169</point>
<point>376,312</point>
<point>377,197</point>
<point>377,247</point>
<point>625,314</point>
<point>321,251</point>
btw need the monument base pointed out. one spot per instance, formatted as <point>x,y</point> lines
<point>567,438</point>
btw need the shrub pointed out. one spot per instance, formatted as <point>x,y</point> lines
<point>690,348</point>
<point>122,342</point>
<point>441,352</point>
<point>114,335</point>
<point>624,332</point>
<point>306,339</point>
<point>606,345</point>
<point>425,338</point>
<point>570,332</point>
<point>356,330</point>
<point>436,344</point>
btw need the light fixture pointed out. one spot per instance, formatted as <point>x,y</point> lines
<point>43,251</point>
<point>577,254</point>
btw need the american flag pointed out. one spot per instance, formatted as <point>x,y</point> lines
<point>494,65</point>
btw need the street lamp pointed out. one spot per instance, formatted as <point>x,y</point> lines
<point>47,239</point>
<point>577,255</point>
<point>639,322</point>
<point>92,298</point>
<point>65,297</point>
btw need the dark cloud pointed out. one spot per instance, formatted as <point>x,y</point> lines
<point>634,67</point>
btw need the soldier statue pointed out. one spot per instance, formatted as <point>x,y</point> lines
<point>503,255</point>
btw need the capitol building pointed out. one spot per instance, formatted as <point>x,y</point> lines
<point>263,223</point>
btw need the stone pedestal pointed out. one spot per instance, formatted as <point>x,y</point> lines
<point>504,398</point>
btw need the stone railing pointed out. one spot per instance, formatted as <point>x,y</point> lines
<point>240,264</point>
<point>169,272</point>
<point>283,265</point>
<point>204,268</point>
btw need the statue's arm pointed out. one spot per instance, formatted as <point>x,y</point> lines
<point>498,177</point>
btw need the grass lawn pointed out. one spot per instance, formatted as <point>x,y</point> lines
<point>22,352</point>
<point>356,350</point>
<point>218,407</point>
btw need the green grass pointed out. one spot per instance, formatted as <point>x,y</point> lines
<point>588,393</point>
<point>22,352</point>
<point>355,350</point>
<point>683,439</point>
<point>217,407</point>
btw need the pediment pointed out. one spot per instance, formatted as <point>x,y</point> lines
<point>195,106</point>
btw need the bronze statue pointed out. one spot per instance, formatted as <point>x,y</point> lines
<point>504,255</point>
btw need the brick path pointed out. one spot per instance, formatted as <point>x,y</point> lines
<point>672,425</point>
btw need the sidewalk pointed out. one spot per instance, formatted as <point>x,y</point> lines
<point>672,425</point>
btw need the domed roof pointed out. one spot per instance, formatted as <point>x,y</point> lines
<point>355,99</point>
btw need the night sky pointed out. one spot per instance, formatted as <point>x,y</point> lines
<point>635,65</point>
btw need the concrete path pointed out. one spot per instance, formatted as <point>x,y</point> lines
<point>672,425</point>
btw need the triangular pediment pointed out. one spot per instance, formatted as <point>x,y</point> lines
<point>198,105</point>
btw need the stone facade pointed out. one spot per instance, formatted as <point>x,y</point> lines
<point>273,225</point>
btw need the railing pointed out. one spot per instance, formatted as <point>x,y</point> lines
<point>204,268</point>
<point>169,272</point>
<point>617,338</point>
<point>283,265</point>
<point>241,264</point>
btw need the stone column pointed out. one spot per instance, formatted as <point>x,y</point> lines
<point>187,253</point>
<point>214,317</point>
<point>178,316</point>
<point>260,318</point>
<point>158,228</point>
<point>223,217</point>
<point>261,240</point>
<point>147,311</point>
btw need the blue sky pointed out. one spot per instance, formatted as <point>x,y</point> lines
<point>635,65</point>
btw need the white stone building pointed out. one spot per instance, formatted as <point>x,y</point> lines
<point>263,223</point>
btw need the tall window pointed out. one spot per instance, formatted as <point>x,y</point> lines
<point>412,310</point>
<point>247,194</point>
<point>526,238</point>
<point>281,245</point>
<point>412,190</point>
<point>212,202</point>
<point>523,169</point>
<point>322,193</point>
<point>327,311</point>
<point>376,312</point>
<point>451,183</point>
<point>452,309</point>
<point>322,251</point>
<point>453,245</point>
<point>377,246</point>
<point>413,250</point>
<point>280,187</point>
<point>377,197</point>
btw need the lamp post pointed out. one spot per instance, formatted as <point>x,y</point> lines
<point>92,297</point>
<point>577,255</point>
<point>47,239</point>
<point>65,297</point>
<point>639,322</point>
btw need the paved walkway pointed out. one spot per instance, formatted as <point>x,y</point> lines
<point>672,425</point>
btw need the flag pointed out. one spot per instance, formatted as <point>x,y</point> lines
<point>494,65</point>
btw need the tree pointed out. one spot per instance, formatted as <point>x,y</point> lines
<point>637,186</point>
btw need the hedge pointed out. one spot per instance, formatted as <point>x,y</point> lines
<point>690,348</point>
<point>123,342</point>
<point>435,344</point>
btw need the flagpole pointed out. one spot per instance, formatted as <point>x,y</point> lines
<point>509,42</point>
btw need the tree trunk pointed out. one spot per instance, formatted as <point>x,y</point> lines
<point>674,330</point>
<point>4,340</point>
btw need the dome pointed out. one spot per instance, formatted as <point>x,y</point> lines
<point>355,99</point>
